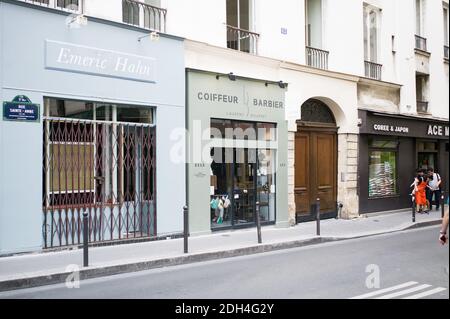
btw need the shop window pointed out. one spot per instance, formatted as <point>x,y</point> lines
<point>382,173</point>
<point>96,152</point>
<point>382,167</point>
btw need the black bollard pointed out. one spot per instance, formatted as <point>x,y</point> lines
<point>258,223</point>
<point>318,216</point>
<point>186,228</point>
<point>442,205</point>
<point>85,239</point>
<point>413,210</point>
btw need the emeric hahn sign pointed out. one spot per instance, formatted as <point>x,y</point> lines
<point>83,59</point>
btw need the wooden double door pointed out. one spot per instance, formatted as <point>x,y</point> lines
<point>315,172</point>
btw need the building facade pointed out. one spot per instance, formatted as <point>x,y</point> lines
<point>87,114</point>
<point>363,87</point>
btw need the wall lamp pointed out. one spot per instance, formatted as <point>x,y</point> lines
<point>154,36</point>
<point>281,84</point>
<point>231,76</point>
<point>76,21</point>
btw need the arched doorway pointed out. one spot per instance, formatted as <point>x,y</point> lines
<point>315,161</point>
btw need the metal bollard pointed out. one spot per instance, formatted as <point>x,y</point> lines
<point>186,228</point>
<point>85,239</point>
<point>442,205</point>
<point>413,210</point>
<point>318,216</point>
<point>258,223</point>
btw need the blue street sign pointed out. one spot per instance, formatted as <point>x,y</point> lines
<point>21,109</point>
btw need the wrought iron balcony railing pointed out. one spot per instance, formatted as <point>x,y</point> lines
<point>317,58</point>
<point>144,15</point>
<point>373,70</point>
<point>421,43</point>
<point>242,40</point>
<point>65,5</point>
<point>422,107</point>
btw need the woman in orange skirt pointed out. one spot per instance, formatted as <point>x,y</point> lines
<point>420,194</point>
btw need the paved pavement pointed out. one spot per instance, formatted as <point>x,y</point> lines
<point>410,264</point>
<point>54,267</point>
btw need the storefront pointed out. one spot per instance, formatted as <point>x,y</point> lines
<point>86,119</point>
<point>392,148</point>
<point>237,152</point>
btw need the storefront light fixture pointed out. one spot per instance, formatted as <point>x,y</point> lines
<point>78,20</point>
<point>154,36</point>
<point>281,84</point>
<point>231,76</point>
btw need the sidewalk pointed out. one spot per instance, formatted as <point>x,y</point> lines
<point>49,268</point>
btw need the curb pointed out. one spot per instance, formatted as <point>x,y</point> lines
<point>103,271</point>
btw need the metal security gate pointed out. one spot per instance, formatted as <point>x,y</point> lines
<point>107,169</point>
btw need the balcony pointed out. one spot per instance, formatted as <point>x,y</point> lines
<point>144,15</point>
<point>446,52</point>
<point>64,5</point>
<point>317,58</point>
<point>242,40</point>
<point>373,70</point>
<point>422,107</point>
<point>421,43</point>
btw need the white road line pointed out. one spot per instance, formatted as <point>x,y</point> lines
<point>382,291</point>
<point>404,292</point>
<point>426,293</point>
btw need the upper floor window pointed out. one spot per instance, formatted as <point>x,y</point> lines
<point>445,12</point>
<point>419,17</point>
<point>146,14</point>
<point>314,23</point>
<point>238,14</point>
<point>371,26</point>
<point>239,24</point>
<point>66,5</point>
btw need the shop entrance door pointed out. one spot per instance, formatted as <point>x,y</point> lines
<point>315,173</point>
<point>240,178</point>
<point>244,186</point>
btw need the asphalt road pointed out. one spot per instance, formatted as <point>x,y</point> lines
<point>406,264</point>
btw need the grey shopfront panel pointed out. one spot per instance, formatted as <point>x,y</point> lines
<point>213,96</point>
<point>101,62</point>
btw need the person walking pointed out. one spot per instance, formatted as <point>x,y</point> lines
<point>443,233</point>
<point>434,188</point>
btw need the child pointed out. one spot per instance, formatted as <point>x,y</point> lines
<point>420,186</point>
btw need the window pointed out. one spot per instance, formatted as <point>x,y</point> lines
<point>96,149</point>
<point>314,23</point>
<point>419,17</point>
<point>144,13</point>
<point>238,14</point>
<point>371,27</point>
<point>382,168</point>
<point>239,24</point>
<point>445,12</point>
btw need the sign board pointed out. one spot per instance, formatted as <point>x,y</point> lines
<point>21,109</point>
<point>82,59</point>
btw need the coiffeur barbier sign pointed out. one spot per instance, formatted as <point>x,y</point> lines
<point>21,109</point>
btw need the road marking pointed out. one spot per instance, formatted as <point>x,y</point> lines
<point>404,292</point>
<point>382,291</point>
<point>426,293</point>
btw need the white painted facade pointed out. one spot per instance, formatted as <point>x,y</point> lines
<point>341,35</point>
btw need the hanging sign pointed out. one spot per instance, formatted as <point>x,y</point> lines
<point>21,109</point>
